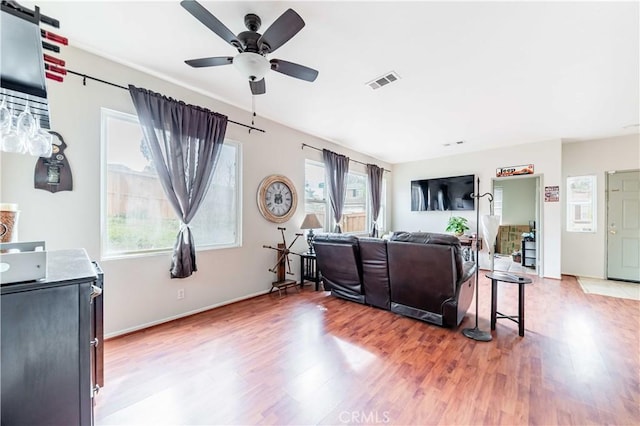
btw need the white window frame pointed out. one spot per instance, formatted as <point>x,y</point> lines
<point>588,204</point>
<point>106,113</point>
<point>383,210</point>
<point>498,192</point>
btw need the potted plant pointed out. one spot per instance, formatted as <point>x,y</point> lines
<point>457,225</point>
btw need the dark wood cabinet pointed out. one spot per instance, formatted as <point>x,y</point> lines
<point>97,333</point>
<point>50,349</point>
<point>309,269</point>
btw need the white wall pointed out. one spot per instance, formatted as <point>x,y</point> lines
<point>584,254</point>
<point>138,291</point>
<point>518,201</point>
<point>546,157</point>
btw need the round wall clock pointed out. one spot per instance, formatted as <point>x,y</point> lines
<point>277,199</point>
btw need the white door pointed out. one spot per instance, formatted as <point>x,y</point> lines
<point>623,215</point>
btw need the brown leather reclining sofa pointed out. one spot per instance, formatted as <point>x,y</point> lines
<point>417,274</point>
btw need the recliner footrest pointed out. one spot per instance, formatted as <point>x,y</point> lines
<point>419,314</point>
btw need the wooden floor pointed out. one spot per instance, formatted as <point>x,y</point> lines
<point>310,358</point>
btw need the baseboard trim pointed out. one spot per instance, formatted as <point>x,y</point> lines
<point>182,315</point>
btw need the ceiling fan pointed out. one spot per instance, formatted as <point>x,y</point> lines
<point>252,46</point>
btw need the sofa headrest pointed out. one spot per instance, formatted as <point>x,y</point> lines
<point>372,240</point>
<point>425,238</point>
<point>335,238</point>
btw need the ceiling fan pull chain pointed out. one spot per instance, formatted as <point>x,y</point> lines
<point>253,110</point>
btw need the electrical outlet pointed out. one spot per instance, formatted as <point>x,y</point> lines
<point>181,293</point>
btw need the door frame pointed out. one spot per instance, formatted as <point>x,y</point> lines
<point>538,214</point>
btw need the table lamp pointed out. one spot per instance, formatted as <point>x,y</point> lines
<point>310,222</point>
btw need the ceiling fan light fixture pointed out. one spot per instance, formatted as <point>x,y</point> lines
<point>252,66</point>
<point>253,46</point>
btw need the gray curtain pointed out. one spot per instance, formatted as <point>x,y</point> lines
<point>336,167</point>
<point>185,142</point>
<point>374,174</point>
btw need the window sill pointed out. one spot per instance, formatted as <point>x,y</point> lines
<point>163,252</point>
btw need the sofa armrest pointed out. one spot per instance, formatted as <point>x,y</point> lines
<point>468,269</point>
<point>455,309</point>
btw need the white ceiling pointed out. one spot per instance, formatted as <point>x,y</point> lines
<point>487,73</point>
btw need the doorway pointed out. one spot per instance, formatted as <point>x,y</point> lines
<point>519,241</point>
<point>623,226</point>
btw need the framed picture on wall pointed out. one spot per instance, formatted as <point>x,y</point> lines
<point>551,194</point>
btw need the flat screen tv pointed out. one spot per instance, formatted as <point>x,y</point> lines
<point>446,193</point>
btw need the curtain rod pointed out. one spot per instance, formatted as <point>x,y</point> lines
<point>355,161</point>
<point>84,82</point>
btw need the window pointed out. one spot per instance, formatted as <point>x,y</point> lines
<point>581,202</point>
<point>136,216</point>
<point>356,214</point>
<point>315,193</point>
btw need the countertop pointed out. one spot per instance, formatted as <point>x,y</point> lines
<point>64,267</point>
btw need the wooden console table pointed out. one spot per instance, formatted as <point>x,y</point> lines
<point>468,244</point>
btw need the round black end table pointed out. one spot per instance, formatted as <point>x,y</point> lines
<point>513,279</point>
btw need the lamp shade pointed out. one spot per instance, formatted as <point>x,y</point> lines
<point>253,66</point>
<point>490,225</point>
<point>310,222</point>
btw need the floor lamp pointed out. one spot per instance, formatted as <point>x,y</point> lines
<point>475,333</point>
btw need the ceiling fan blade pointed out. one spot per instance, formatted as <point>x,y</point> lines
<point>281,31</point>
<point>294,70</point>
<point>258,87</point>
<point>211,22</point>
<point>210,62</point>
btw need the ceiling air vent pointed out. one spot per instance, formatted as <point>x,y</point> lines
<point>383,80</point>
<point>451,143</point>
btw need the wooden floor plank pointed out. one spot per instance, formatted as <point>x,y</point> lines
<point>310,358</point>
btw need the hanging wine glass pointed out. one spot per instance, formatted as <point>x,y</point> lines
<point>5,116</point>
<point>40,143</point>
<point>26,124</point>
<point>11,140</point>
